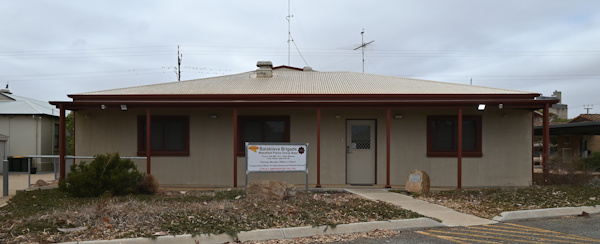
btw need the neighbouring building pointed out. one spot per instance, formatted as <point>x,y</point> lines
<point>574,139</point>
<point>31,127</point>
<point>560,110</point>
<point>361,128</point>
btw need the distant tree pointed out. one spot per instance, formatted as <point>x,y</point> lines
<point>70,132</point>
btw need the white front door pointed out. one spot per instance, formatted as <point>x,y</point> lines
<point>360,152</point>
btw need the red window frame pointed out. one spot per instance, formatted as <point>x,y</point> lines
<point>454,151</point>
<point>141,150</point>
<point>241,119</point>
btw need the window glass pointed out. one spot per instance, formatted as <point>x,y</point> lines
<point>56,135</point>
<point>156,135</point>
<point>262,129</point>
<point>169,135</point>
<point>174,135</point>
<point>274,131</point>
<point>442,136</point>
<point>252,131</point>
<point>469,141</point>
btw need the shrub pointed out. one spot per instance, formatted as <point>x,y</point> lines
<point>593,161</point>
<point>149,185</point>
<point>594,183</point>
<point>105,173</point>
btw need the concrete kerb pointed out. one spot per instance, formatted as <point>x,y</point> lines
<point>284,233</point>
<point>546,213</point>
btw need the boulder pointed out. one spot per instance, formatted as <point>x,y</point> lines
<point>418,182</point>
<point>40,183</point>
<point>270,189</point>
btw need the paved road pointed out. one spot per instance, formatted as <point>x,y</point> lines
<point>562,230</point>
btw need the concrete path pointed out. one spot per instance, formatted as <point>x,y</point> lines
<point>449,217</point>
<point>18,181</point>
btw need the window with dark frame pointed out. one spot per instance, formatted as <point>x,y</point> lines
<point>169,136</point>
<point>56,135</point>
<point>262,129</point>
<point>442,136</point>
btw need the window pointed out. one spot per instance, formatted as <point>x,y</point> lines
<point>56,135</point>
<point>442,136</point>
<point>262,129</point>
<point>169,136</point>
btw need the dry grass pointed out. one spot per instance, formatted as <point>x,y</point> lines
<point>38,215</point>
<point>490,202</point>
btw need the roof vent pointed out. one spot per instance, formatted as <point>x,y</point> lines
<point>307,68</point>
<point>265,69</point>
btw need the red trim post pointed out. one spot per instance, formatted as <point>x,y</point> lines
<point>388,139</point>
<point>546,143</point>
<point>148,142</point>
<point>235,145</point>
<point>459,153</point>
<point>318,148</point>
<point>74,127</point>
<point>62,144</point>
<point>532,145</point>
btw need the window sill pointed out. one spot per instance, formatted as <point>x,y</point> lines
<point>164,153</point>
<point>454,154</point>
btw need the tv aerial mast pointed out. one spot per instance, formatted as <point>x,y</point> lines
<point>290,39</point>
<point>362,47</point>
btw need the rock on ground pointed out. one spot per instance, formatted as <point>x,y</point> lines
<point>270,189</point>
<point>418,182</point>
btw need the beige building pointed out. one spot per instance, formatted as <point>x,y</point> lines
<point>362,129</point>
<point>32,128</point>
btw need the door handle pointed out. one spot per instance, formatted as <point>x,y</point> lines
<point>348,150</point>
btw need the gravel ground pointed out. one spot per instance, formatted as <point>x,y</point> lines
<point>18,181</point>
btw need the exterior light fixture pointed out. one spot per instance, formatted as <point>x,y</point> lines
<point>397,116</point>
<point>481,107</point>
<point>103,107</point>
<point>213,116</point>
<point>500,106</point>
<point>123,107</point>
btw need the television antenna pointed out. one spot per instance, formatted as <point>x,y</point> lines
<point>362,46</point>
<point>290,39</point>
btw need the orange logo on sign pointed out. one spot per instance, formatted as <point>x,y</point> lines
<point>253,148</point>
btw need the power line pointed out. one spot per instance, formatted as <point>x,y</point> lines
<point>229,50</point>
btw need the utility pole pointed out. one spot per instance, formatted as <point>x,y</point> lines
<point>587,108</point>
<point>179,57</point>
<point>362,46</point>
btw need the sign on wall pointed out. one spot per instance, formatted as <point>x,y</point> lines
<point>276,157</point>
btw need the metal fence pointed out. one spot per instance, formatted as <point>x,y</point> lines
<point>70,160</point>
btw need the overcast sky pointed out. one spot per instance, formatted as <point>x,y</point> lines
<point>49,49</point>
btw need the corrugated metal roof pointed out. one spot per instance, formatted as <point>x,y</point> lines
<point>22,105</point>
<point>286,81</point>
